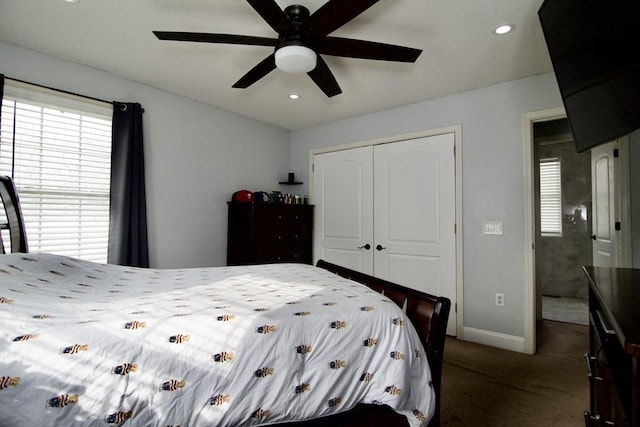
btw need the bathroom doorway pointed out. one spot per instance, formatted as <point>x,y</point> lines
<point>563,203</point>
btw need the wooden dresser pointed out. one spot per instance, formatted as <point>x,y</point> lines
<point>614,346</point>
<point>261,233</point>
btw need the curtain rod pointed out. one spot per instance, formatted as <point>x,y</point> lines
<point>65,91</point>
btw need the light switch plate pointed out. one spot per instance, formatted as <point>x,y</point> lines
<point>492,227</point>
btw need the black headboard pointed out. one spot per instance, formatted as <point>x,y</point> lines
<point>15,221</point>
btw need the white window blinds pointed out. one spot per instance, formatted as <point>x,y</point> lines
<point>58,151</point>
<point>550,197</point>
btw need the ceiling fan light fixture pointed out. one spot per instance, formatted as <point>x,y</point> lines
<point>295,59</point>
<point>299,33</point>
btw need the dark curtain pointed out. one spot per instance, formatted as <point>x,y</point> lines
<point>128,207</point>
<point>1,96</point>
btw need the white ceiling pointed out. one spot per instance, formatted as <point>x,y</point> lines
<point>459,51</point>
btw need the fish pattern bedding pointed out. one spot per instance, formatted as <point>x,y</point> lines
<point>97,345</point>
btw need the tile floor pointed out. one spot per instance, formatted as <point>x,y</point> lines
<point>569,310</point>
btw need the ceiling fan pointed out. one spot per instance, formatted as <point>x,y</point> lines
<point>301,38</point>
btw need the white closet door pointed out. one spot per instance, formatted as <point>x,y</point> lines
<point>408,189</point>
<point>414,220</point>
<point>343,198</point>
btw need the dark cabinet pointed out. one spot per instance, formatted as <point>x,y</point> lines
<point>261,233</point>
<point>614,346</point>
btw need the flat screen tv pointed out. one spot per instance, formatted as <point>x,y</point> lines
<point>594,47</point>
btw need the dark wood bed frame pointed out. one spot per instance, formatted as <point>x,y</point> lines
<point>429,315</point>
<point>15,222</point>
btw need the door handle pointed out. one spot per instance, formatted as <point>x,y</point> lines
<point>367,246</point>
<point>593,236</point>
<point>380,247</point>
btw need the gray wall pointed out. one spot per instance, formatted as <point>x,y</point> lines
<point>196,156</point>
<point>492,181</point>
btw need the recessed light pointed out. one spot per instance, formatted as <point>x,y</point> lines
<point>294,96</point>
<point>503,29</point>
<point>71,1</point>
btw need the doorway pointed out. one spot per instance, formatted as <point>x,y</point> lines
<point>620,179</point>
<point>563,207</point>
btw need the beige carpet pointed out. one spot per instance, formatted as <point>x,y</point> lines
<point>485,386</point>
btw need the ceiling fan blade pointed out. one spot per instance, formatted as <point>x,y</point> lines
<point>272,14</point>
<point>334,14</point>
<point>338,46</point>
<point>265,66</point>
<point>215,38</point>
<point>324,78</point>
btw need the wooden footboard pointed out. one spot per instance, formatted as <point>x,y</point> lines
<point>429,314</point>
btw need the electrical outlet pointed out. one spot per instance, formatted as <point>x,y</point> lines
<point>500,300</point>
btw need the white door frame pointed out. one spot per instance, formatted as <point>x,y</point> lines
<point>528,119</point>
<point>625,239</point>
<point>457,132</point>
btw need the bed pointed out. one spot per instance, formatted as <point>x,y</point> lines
<point>92,344</point>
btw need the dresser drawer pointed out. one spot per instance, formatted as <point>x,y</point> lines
<point>607,401</point>
<point>283,254</point>
<point>275,236</point>
<point>608,364</point>
<point>282,219</point>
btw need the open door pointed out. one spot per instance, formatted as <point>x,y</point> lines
<point>611,225</point>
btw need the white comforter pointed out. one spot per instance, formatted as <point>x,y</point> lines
<point>97,345</point>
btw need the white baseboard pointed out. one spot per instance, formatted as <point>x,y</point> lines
<point>494,339</point>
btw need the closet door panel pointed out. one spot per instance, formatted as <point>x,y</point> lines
<point>414,215</point>
<point>413,271</point>
<point>343,195</point>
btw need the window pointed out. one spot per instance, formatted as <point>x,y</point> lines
<point>550,197</point>
<point>58,150</point>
